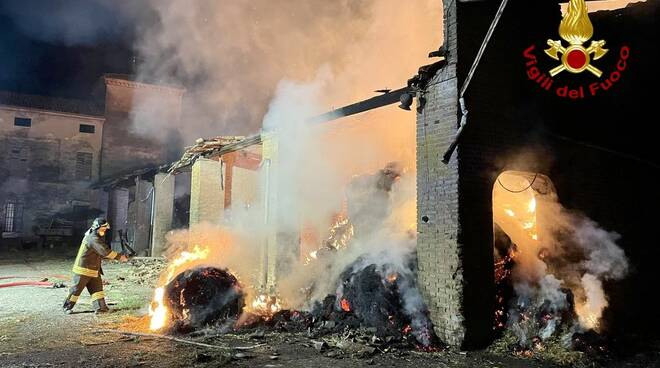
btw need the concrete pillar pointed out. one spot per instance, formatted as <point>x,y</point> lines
<point>282,245</point>
<point>207,194</point>
<point>118,214</point>
<point>142,216</point>
<point>246,188</point>
<point>162,212</point>
<point>100,199</point>
<point>268,255</point>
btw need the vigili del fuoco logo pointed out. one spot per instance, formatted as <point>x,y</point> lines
<point>576,30</point>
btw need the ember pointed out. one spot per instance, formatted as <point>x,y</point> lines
<point>549,264</point>
<point>266,305</point>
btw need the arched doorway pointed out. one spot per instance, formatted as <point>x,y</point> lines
<point>518,236</point>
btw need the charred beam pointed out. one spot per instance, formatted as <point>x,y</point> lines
<point>362,106</point>
<point>356,108</point>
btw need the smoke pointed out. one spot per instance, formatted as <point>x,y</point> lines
<point>231,56</point>
<point>73,22</point>
<point>311,177</point>
<point>605,259</point>
<point>561,258</point>
<point>269,65</point>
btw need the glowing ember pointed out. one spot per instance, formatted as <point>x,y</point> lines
<point>157,310</point>
<point>265,305</point>
<point>345,306</point>
<point>392,277</point>
<point>311,257</point>
<point>531,207</point>
<point>340,234</point>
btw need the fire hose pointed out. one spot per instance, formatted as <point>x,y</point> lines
<point>28,283</point>
<point>43,282</point>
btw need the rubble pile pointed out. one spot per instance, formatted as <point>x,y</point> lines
<point>203,148</point>
<point>369,309</point>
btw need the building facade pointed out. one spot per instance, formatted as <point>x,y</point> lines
<point>54,150</point>
<point>50,154</point>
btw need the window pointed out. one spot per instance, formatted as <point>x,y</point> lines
<point>84,165</point>
<point>86,128</point>
<point>23,122</point>
<point>13,216</point>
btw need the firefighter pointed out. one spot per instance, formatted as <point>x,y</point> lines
<point>87,267</point>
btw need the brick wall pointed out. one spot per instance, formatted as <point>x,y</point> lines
<point>207,198</point>
<point>441,276</point>
<point>513,125</point>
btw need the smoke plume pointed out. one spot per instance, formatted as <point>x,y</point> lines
<point>231,55</point>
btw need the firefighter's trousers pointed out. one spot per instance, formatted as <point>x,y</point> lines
<point>94,286</point>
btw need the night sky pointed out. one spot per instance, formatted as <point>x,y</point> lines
<point>62,56</point>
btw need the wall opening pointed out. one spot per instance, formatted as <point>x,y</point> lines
<point>12,219</point>
<point>517,234</point>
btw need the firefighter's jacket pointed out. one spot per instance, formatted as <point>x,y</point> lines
<point>92,249</point>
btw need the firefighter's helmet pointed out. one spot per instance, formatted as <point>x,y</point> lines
<point>99,222</point>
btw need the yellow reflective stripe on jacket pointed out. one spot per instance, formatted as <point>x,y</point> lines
<point>112,255</point>
<point>74,298</point>
<point>98,295</point>
<point>84,271</point>
<point>81,250</point>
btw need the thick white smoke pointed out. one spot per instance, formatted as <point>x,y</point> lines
<point>232,55</point>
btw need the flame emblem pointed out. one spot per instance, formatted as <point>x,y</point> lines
<point>576,29</point>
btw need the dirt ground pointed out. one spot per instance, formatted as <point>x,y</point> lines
<point>34,332</point>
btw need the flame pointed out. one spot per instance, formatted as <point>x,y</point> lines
<point>575,27</point>
<point>339,235</point>
<point>265,305</point>
<point>345,305</point>
<point>157,310</point>
<point>392,277</point>
<point>310,257</point>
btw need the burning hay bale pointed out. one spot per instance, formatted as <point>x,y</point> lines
<point>379,298</point>
<point>373,299</point>
<point>201,296</point>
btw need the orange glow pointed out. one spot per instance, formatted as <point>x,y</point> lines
<point>265,305</point>
<point>157,310</point>
<point>392,277</point>
<point>345,306</point>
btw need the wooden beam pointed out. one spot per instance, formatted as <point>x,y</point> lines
<point>362,106</point>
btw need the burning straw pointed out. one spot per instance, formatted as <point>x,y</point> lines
<point>553,260</point>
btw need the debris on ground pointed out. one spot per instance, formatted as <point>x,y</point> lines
<point>145,270</point>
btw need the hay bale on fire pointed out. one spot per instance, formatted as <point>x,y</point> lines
<point>202,296</point>
<point>374,299</point>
